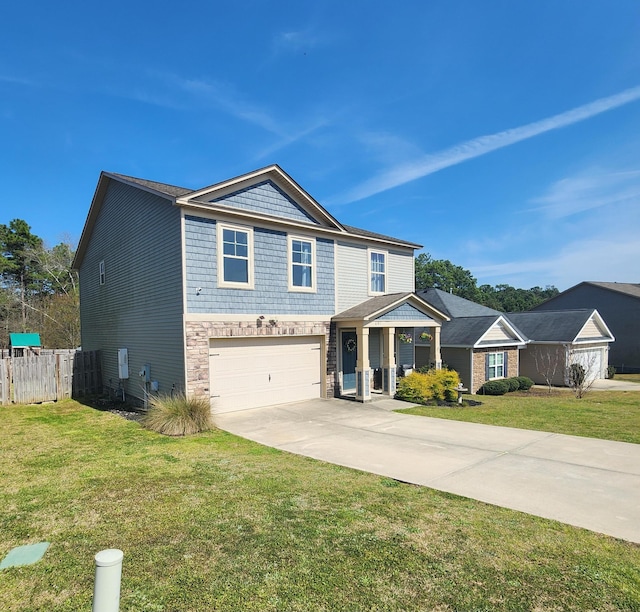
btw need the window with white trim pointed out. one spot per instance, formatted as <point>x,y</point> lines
<point>101,273</point>
<point>378,270</point>
<point>235,256</point>
<point>495,365</point>
<point>301,264</point>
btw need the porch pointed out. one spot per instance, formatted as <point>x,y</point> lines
<point>377,337</point>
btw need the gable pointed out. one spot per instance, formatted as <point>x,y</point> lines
<point>498,333</point>
<point>265,198</point>
<point>593,329</point>
<point>404,312</point>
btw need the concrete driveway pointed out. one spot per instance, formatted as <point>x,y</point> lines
<point>585,482</point>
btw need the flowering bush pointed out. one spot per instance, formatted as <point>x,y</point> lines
<point>434,385</point>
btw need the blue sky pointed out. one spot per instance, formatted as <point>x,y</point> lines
<point>502,135</point>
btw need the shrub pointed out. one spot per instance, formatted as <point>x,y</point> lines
<point>494,387</point>
<point>525,383</point>
<point>513,383</point>
<point>611,372</point>
<point>178,415</point>
<point>577,375</point>
<point>433,385</point>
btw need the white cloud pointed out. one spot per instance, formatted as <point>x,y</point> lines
<point>589,191</point>
<point>429,164</point>
<point>610,258</point>
<point>17,80</point>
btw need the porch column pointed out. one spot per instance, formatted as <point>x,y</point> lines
<point>388,361</point>
<point>435,356</point>
<point>363,369</point>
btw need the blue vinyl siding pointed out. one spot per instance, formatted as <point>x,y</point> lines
<point>271,285</point>
<point>266,198</point>
<point>404,313</point>
<point>139,306</point>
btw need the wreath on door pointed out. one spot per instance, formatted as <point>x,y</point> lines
<point>350,345</point>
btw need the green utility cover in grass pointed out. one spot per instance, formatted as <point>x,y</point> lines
<point>24,340</point>
<point>24,555</point>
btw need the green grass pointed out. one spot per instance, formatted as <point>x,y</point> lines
<point>610,415</point>
<point>214,522</point>
<point>635,378</point>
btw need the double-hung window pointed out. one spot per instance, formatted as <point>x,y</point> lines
<point>235,256</point>
<point>301,264</point>
<point>378,271</point>
<point>101,273</point>
<point>495,365</point>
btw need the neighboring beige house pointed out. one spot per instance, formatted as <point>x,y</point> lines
<point>479,343</point>
<point>483,344</point>
<point>619,305</point>
<point>560,338</point>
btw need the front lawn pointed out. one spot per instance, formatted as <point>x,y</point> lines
<point>610,415</point>
<point>214,522</point>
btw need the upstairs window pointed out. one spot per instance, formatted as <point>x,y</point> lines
<point>301,262</point>
<point>101,273</point>
<point>378,269</point>
<point>235,256</point>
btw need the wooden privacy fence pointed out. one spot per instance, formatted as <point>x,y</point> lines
<point>49,377</point>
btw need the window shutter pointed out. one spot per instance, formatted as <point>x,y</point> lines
<point>506,369</point>
<point>486,366</point>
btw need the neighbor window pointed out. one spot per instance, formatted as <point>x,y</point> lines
<point>301,261</point>
<point>495,365</point>
<point>378,269</point>
<point>235,256</point>
<point>101,273</point>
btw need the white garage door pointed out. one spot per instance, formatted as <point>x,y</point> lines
<point>250,372</point>
<point>591,361</point>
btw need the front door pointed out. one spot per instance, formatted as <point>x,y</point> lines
<point>349,357</point>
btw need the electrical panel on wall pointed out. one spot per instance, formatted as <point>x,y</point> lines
<point>123,363</point>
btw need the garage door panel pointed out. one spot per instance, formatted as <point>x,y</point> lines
<point>250,372</point>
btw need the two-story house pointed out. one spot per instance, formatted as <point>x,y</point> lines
<point>247,291</point>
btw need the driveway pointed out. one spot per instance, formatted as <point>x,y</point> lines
<point>584,482</point>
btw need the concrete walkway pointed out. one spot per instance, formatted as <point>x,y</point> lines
<point>585,482</point>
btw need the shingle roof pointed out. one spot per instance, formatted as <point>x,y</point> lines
<point>170,190</point>
<point>551,325</point>
<point>455,306</point>
<point>368,234</point>
<point>371,306</point>
<point>465,331</point>
<point>175,192</point>
<point>632,289</point>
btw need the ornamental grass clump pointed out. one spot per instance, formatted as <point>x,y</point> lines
<point>178,415</point>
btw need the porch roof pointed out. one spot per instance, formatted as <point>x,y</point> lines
<point>393,310</point>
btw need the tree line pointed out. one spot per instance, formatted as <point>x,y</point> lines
<point>442,274</point>
<point>39,290</point>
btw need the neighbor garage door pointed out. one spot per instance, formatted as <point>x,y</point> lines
<point>251,372</point>
<point>591,360</point>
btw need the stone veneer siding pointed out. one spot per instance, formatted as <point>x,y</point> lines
<point>199,333</point>
<point>479,367</point>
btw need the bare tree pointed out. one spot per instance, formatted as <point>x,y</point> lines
<point>581,373</point>
<point>550,361</point>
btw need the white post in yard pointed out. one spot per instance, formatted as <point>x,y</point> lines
<point>106,590</point>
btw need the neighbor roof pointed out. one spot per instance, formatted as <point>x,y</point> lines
<point>455,306</point>
<point>552,325</point>
<point>632,289</point>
